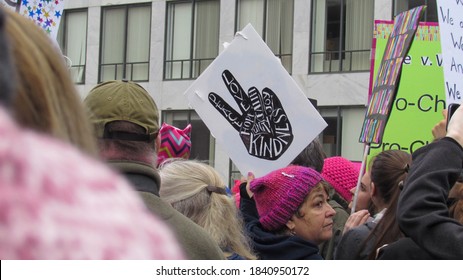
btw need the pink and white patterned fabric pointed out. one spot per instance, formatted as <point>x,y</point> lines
<point>56,203</point>
<point>175,142</point>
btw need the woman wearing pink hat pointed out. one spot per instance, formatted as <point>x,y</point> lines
<point>287,213</point>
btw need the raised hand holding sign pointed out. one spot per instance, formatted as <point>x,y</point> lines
<point>253,108</point>
<point>263,125</point>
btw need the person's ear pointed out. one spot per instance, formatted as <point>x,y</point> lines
<point>372,190</point>
<point>290,224</point>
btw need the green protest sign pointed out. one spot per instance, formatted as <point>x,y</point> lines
<point>420,96</point>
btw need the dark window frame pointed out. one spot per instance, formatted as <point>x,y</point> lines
<point>426,12</point>
<point>191,61</point>
<point>328,55</point>
<point>264,31</point>
<point>124,64</point>
<point>64,46</point>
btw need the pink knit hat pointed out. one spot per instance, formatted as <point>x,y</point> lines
<point>342,174</point>
<point>175,142</point>
<point>279,194</point>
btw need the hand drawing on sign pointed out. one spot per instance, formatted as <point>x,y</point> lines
<point>263,126</point>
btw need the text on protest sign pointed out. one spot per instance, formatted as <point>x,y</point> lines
<point>253,107</point>
<point>450,13</point>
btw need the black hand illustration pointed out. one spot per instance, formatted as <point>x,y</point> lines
<point>263,124</point>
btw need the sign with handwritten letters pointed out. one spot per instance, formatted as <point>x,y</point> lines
<point>45,13</point>
<point>450,13</point>
<point>253,107</point>
<point>385,85</point>
<point>420,96</point>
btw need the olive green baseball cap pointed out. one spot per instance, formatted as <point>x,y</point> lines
<point>122,101</point>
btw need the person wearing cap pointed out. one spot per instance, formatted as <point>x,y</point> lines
<point>287,214</point>
<point>126,123</point>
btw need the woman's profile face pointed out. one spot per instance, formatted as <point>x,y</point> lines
<point>363,196</point>
<point>315,222</point>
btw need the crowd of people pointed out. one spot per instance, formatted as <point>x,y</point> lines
<point>99,178</point>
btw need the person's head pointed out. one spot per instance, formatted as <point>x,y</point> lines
<point>196,190</point>
<point>125,118</point>
<point>294,200</point>
<point>388,169</point>
<point>342,174</point>
<point>363,195</point>
<point>173,142</point>
<point>312,156</point>
<point>46,99</point>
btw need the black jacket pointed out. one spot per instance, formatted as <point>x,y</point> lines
<point>403,249</point>
<point>352,241</point>
<point>423,212</point>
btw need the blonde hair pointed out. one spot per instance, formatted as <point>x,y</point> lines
<point>46,99</point>
<point>184,184</point>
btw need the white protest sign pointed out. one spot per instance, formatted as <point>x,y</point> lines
<point>253,107</point>
<point>45,13</point>
<point>451,32</point>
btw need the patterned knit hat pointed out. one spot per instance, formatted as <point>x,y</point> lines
<point>342,174</point>
<point>279,194</point>
<point>175,142</point>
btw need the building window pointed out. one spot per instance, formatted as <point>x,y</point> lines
<point>125,43</point>
<point>235,174</point>
<point>331,137</point>
<point>430,14</point>
<point>202,143</point>
<point>192,37</point>
<point>273,20</point>
<point>72,39</point>
<point>342,32</point>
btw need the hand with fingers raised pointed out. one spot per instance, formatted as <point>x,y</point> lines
<point>263,124</point>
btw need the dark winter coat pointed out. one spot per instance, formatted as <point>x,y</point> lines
<point>423,212</point>
<point>195,241</point>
